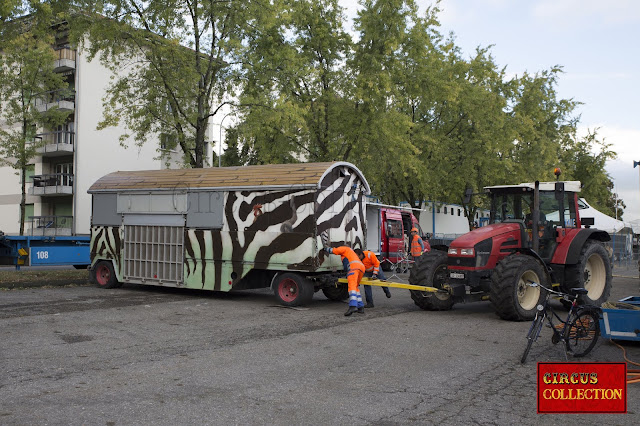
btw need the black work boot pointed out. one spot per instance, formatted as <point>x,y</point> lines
<point>361,310</point>
<point>368,305</point>
<point>351,310</point>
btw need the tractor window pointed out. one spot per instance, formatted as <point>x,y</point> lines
<point>506,206</point>
<point>555,213</point>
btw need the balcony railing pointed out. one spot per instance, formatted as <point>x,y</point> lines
<point>56,143</point>
<point>52,184</point>
<point>50,225</point>
<point>64,99</point>
<point>65,59</point>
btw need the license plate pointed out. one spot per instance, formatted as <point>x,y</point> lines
<point>456,275</point>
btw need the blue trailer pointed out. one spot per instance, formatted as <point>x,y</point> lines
<point>27,250</point>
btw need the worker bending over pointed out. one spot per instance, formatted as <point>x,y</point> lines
<point>356,271</point>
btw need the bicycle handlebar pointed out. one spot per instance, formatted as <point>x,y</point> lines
<point>565,296</point>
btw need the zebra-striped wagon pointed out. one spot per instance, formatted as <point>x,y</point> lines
<point>228,228</point>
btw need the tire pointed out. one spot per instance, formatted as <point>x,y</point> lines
<point>292,289</point>
<point>430,269</point>
<point>337,293</point>
<point>532,336</point>
<point>582,332</point>
<point>594,273</point>
<point>511,297</point>
<point>104,275</point>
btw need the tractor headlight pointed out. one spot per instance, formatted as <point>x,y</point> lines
<point>453,251</point>
<point>467,252</point>
<point>540,308</point>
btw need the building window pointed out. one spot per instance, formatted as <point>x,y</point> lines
<point>445,209</point>
<point>64,172</point>
<point>28,212</point>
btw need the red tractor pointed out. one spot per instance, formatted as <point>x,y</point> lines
<point>535,234</point>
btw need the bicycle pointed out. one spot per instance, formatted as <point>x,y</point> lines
<point>580,330</point>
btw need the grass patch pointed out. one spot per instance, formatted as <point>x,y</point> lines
<point>11,278</point>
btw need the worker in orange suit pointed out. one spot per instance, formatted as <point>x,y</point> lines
<point>372,269</point>
<point>417,246</point>
<point>356,271</point>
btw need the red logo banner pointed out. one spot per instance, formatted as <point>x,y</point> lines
<point>580,387</point>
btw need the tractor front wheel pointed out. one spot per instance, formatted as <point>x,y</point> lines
<point>430,270</point>
<point>511,296</point>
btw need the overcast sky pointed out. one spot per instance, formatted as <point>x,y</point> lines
<point>597,43</point>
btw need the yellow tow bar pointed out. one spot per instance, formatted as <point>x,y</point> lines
<point>380,283</point>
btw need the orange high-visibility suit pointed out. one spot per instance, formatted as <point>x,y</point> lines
<point>371,262</point>
<point>417,246</point>
<point>356,271</point>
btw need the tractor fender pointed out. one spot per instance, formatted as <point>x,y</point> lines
<point>530,252</point>
<point>575,247</point>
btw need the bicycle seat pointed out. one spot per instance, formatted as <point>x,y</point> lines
<point>579,291</point>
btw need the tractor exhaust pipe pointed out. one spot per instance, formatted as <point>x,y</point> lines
<point>536,217</point>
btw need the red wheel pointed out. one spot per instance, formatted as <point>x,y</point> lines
<point>293,289</point>
<point>105,276</point>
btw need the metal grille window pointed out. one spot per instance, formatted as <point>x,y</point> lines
<point>153,253</point>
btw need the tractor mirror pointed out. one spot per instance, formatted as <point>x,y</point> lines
<point>587,221</point>
<point>467,196</point>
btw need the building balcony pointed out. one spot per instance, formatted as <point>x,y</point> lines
<point>49,226</point>
<point>52,184</point>
<point>64,100</point>
<point>55,144</point>
<point>65,59</point>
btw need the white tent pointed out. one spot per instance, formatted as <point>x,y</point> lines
<point>601,220</point>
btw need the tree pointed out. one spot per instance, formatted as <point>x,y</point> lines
<point>584,159</point>
<point>27,78</point>
<point>296,86</point>
<point>176,63</point>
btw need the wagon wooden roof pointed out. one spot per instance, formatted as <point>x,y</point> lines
<point>242,177</point>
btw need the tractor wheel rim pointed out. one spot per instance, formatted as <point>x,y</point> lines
<point>528,296</point>
<point>595,276</point>
<point>439,278</point>
<point>288,290</point>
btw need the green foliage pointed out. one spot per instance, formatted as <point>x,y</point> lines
<point>175,63</point>
<point>584,159</point>
<point>400,100</point>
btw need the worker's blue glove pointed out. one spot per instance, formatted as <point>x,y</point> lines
<point>328,250</point>
<point>374,277</point>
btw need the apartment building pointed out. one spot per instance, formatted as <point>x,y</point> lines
<point>73,155</point>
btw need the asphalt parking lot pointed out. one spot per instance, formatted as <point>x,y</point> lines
<point>149,355</point>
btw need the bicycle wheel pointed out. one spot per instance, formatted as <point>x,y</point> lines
<point>582,332</point>
<point>532,335</point>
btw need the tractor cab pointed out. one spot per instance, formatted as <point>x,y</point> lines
<point>554,208</point>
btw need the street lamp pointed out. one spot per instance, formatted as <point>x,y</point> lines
<point>220,141</point>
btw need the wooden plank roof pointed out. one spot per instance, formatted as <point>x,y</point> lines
<point>264,176</point>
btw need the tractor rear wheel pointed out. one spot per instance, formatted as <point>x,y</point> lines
<point>293,289</point>
<point>594,273</point>
<point>430,269</point>
<point>511,296</point>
